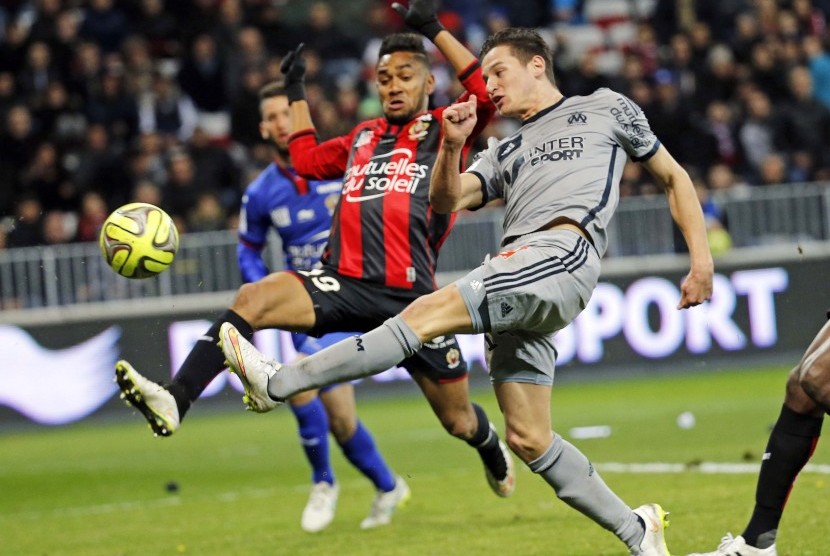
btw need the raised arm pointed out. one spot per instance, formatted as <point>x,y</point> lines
<point>421,16</point>
<point>686,211</point>
<point>293,68</point>
<point>450,190</point>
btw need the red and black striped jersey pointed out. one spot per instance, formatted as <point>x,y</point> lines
<point>383,229</point>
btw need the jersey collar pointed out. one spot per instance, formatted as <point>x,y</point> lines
<point>544,111</point>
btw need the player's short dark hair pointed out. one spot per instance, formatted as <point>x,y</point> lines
<point>404,42</point>
<point>524,44</point>
<point>273,89</point>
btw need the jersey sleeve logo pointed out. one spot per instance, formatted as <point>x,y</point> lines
<point>509,147</point>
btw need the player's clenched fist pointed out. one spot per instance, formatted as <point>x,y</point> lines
<point>459,121</point>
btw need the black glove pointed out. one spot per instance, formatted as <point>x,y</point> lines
<point>421,16</point>
<point>293,68</point>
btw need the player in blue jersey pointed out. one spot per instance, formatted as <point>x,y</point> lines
<point>300,212</point>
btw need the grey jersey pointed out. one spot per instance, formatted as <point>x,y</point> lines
<point>566,161</point>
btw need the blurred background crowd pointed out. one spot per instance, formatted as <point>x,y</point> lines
<point>104,102</point>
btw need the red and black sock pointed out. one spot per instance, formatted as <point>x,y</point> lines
<point>204,362</point>
<point>791,443</point>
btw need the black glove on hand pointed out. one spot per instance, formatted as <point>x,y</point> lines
<point>293,68</point>
<point>421,16</point>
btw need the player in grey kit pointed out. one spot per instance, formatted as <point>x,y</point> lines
<point>559,176</point>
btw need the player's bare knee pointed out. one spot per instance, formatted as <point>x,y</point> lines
<point>814,381</point>
<point>342,427</point>
<point>248,303</point>
<point>523,445</point>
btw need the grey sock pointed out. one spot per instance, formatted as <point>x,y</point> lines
<point>355,357</point>
<point>577,483</point>
<point>767,539</point>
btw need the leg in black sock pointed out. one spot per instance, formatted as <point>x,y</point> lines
<point>791,443</point>
<point>486,441</point>
<point>204,362</point>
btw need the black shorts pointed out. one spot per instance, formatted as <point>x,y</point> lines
<point>344,304</point>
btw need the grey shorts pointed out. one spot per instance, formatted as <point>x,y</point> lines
<point>537,285</point>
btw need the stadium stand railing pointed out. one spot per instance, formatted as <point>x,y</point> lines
<point>76,274</point>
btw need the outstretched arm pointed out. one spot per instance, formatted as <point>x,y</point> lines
<point>421,16</point>
<point>450,190</point>
<point>686,211</point>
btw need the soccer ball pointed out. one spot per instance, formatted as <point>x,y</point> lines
<point>139,240</point>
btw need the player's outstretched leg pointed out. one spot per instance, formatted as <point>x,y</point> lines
<point>252,368</point>
<point>156,404</point>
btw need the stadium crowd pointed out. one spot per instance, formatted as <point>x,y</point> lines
<point>104,102</point>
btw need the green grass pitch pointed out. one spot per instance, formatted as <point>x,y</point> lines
<point>100,488</point>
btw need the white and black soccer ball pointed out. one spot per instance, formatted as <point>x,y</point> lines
<point>139,240</point>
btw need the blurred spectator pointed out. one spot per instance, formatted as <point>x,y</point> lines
<point>58,227</point>
<point>181,191</point>
<point>773,170</point>
<point>747,35</point>
<point>46,178</point>
<point>249,53</point>
<point>87,69</point>
<point>157,27</point>
<point>758,132</point>
<point>93,212</point>
<point>99,166</point>
<point>147,159</point>
<point>26,228</point>
<point>17,146</point>
<point>45,18</point>
<point>805,122</point>
<point>13,47</point>
<point>59,118</point>
<point>105,24</point>
<point>811,20</point>
<point>167,111</point>
<point>339,52</point>
<point>207,215</point>
<point>280,36</point>
<point>720,125</point>
<point>65,39</point>
<point>721,178</point>
<point>113,107</point>
<point>245,115</point>
<point>138,66</point>
<point>37,74</point>
<point>818,61</point>
<point>767,73</point>
<point>148,192</point>
<point>214,169</point>
<point>202,76</point>
<point>8,93</point>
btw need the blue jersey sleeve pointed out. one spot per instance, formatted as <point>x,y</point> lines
<point>253,230</point>
<point>250,262</point>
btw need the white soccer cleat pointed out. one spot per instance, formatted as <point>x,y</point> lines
<point>385,504</point>
<point>502,487</point>
<point>656,521</point>
<point>736,546</point>
<point>156,404</point>
<point>252,368</point>
<point>319,511</point>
